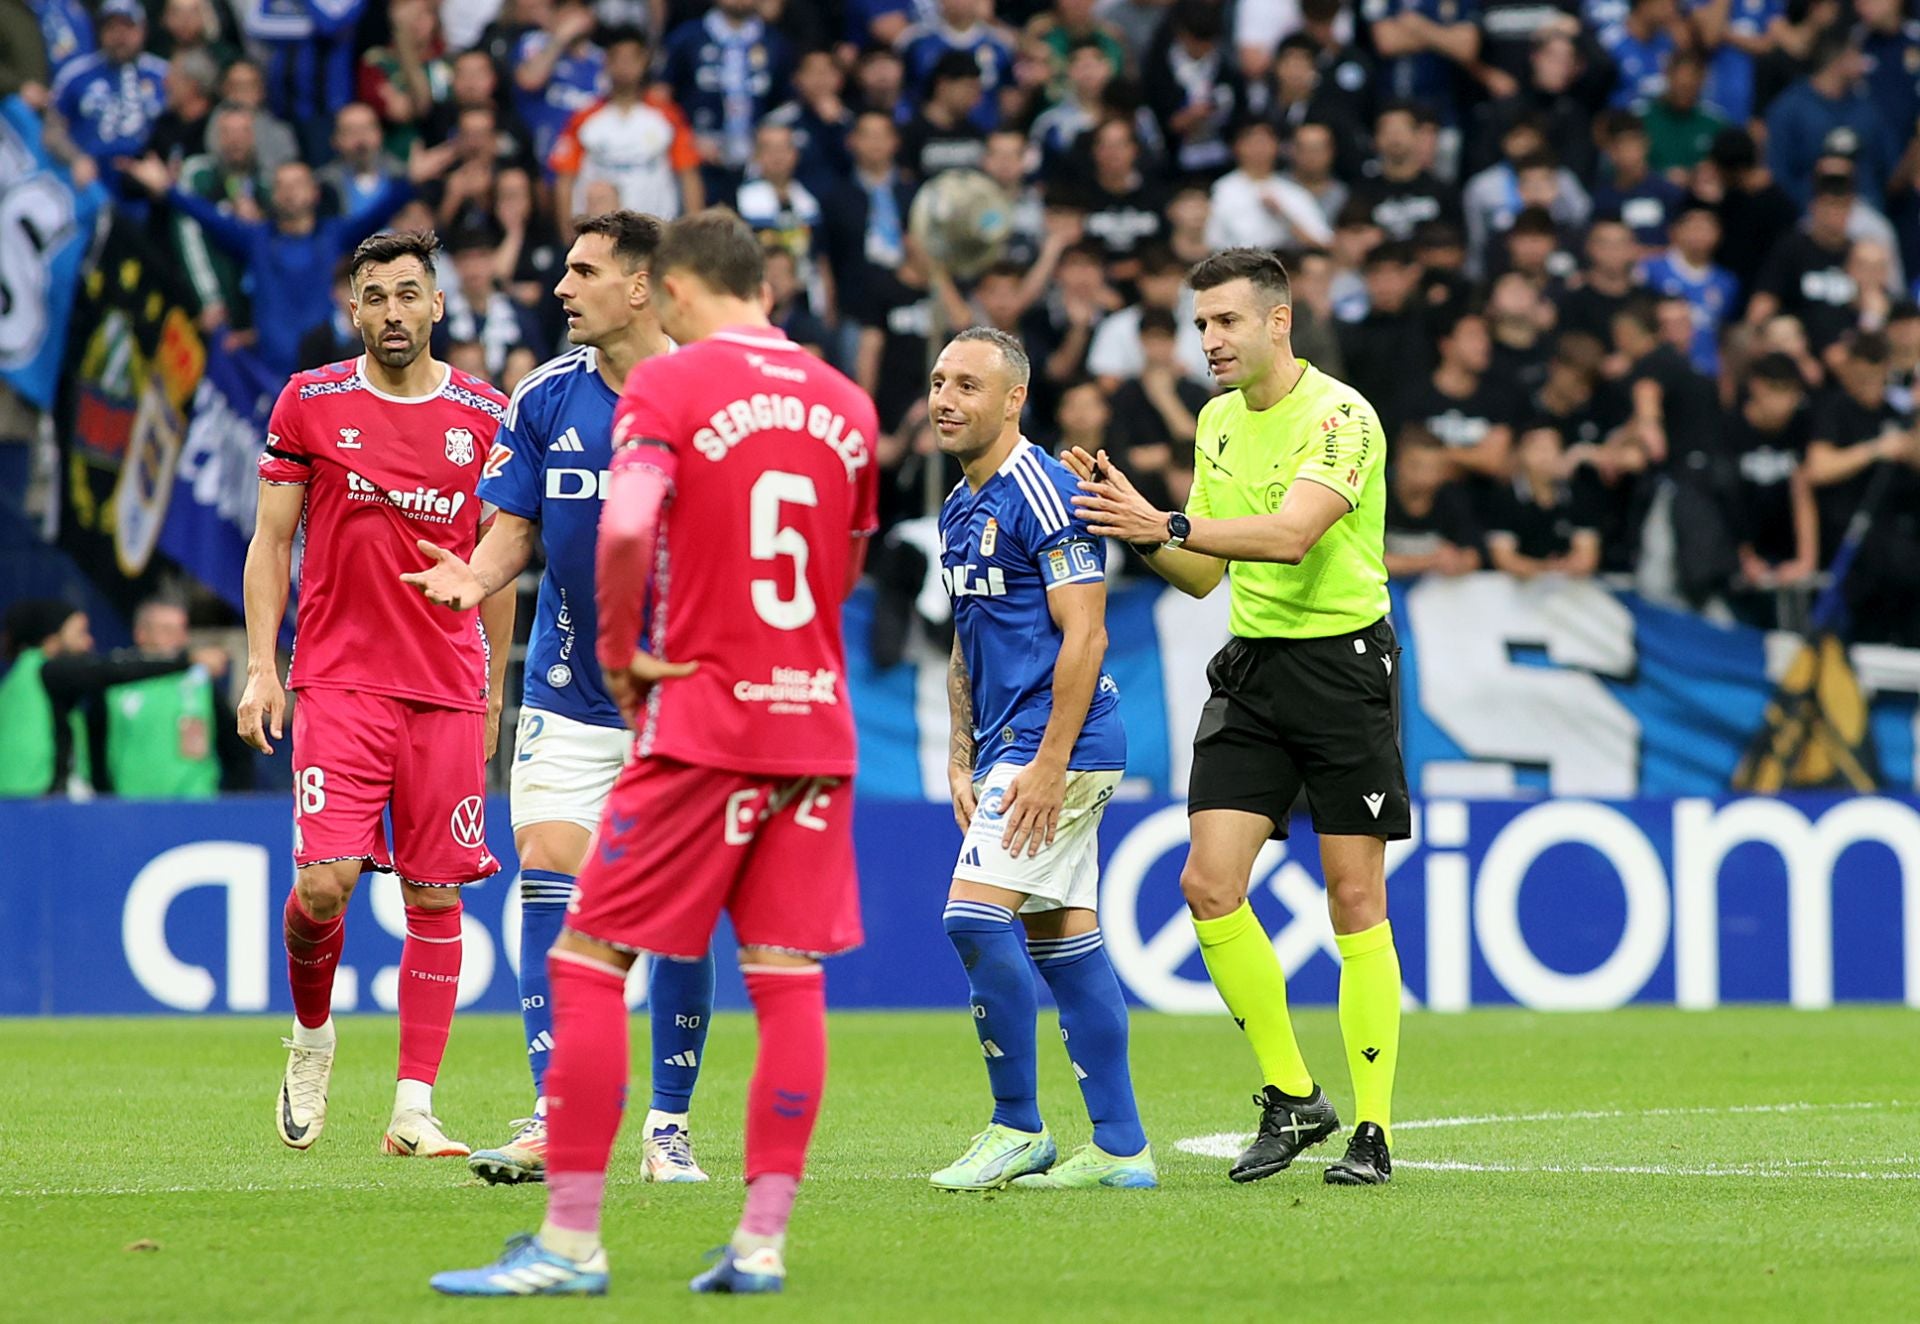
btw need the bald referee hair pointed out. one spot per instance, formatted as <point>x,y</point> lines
<point>1012,353</point>
<point>1261,267</point>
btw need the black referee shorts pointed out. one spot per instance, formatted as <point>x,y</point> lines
<point>1323,713</point>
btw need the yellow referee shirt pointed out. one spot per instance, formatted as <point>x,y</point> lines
<point>1322,431</point>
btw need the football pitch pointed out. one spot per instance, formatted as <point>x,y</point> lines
<point>1645,1164</point>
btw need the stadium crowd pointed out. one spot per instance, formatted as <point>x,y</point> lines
<point>1629,281</point>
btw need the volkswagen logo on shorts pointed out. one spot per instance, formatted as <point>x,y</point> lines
<point>559,675</point>
<point>470,821</point>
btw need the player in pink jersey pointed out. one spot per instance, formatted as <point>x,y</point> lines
<point>399,699</point>
<point>742,494</point>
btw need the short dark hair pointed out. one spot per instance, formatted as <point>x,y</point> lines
<point>1777,369</point>
<point>635,234</point>
<point>1261,267</point>
<point>1639,309</point>
<point>718,247</point>
<point>1158,321</point>
<point>1012,352</point>
<point>1535,220</point>
<point>1734,149</point>
<point>1869,347</point>
<point>391,247</point>
<point>1398,252</point>
<point>1615,123</point>
<point>1540,160</point>
<point>622,33</point>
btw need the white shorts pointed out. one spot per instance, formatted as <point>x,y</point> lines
<point>1065,875</point>
<point>563,769</point>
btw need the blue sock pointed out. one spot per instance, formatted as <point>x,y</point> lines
<point>1093,1025</point>
<point>1004,1005</point>
<point>680,1002</point>
<point>543,913</point>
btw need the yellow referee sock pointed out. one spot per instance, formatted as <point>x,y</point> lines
<point>1370,1020</point>
<point>1245,970</point>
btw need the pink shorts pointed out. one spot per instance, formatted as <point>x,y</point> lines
<point>678,844</point>
<point>356,755</point>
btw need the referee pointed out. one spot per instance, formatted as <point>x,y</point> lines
<point>1288,491</point>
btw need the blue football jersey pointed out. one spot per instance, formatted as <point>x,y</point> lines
<point>549,465</point>
<point>1002,549</point>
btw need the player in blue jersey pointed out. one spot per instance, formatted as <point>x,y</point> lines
<point>1038,748</point>
<point>546,478</point>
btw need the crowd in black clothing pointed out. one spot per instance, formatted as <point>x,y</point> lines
<point>1624,278</point>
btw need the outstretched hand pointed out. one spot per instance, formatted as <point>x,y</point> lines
<point>449,581</point>
<point>1112,506</point>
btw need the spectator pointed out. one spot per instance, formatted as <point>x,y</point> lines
<point>880,82</point>
<point>1672,435</point>
<point>1466,410</point>
<point>1518,318</point>
<point>1083,418</point>
<point>1075,304</point>
<point>1536,247</point>
<point>1403,192</point>
<point>1686,272</point>
<point>1778,522</point>
<point>1508,31</point>
<point>1125,209</point>
<point>281,255</point>
<point>628,140</point>
<point>1641,48</point>
<point>1116,353</point>
<point>1188,214</point>
<point>963,30</point>
<point>726,70</point>
<point>820,119</point>
<point>1830,97</point>
<point>1566,400</point>
<point>894,311</point>
<point>1354,236</point>
<point>181,130</point>
<point>1430,526</point>
<point>1680,131</point>
<point>785,213</point>
<point>1137,21</point>
<point>1155,414</point>
<point>944,135</point>
<point>244,85</point>
<point>54,676</point>
<point>1854,431</point>
<point>1903,343</point>
<point>1890,48</point>
<point>1544,522</point>
<point>309,55</point>
<point>361,165</point>
<point>479,310</point>
<point>1644,200</point>
<point>1554,97</point>
<point>1350,78</point>
<point>1426,48</point>
<point>877,24</point>
<point>1005,163</point>
<point>172,737</point>
<point>1192,85</point>
<point>474,82</point>
<point>789,309</point>
<point>1388,351</point>
<point>1754,211</point>
<point>1312,155</point>
<point>1316,337</point>
<point>1079,107</point>
<point>188,26</point>
<point>111,98</point>
<point>1740,36</point>
<point>338,338</point>
<point>1865,220</point>
<point>1252,207</point>
<point>867,217</point>
<point>557,70</point>
<point>228,177</point>
<point>1494,197</point>
<point>1805,276</point>
<point>530,258</point>
<point>1063,25</point>
<point>403,81</point>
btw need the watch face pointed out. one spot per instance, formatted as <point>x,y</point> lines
<point>1179,526</point>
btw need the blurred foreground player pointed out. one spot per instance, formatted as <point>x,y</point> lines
<point>399,700</point>
<point>543,479</point>
<point>742,492</point>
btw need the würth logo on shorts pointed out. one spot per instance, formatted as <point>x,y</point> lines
<point>470,822</point>
<point>459,446</point>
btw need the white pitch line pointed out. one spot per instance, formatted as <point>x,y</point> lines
<point>1228,1144</point>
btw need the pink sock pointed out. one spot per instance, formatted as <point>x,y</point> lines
<point>429,985</point>
<point>313,954</point>
<point>769,1204</point>
<point>586,1086</point>
<point>783,1102</point>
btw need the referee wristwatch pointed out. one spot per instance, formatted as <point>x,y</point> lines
<point>1179,529</point>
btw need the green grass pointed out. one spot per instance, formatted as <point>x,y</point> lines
<point>119,1132</point>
